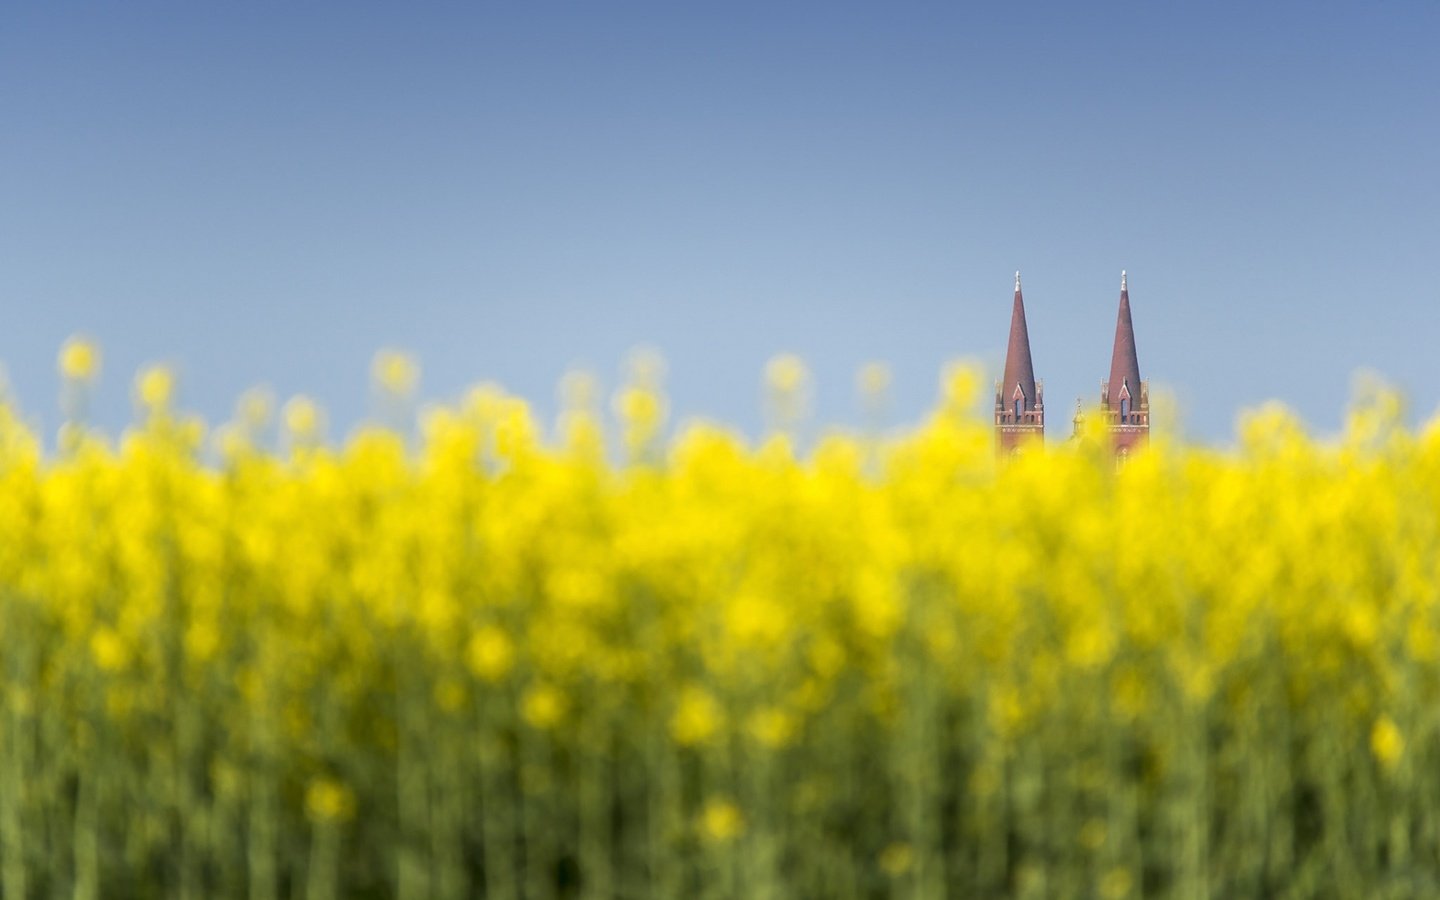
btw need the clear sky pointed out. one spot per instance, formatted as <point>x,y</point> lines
<point>268,192</point>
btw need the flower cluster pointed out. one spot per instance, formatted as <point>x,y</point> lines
<point>474,660</point>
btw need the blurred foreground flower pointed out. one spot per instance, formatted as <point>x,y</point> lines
<point>488,660</point>
<point>79,359</point>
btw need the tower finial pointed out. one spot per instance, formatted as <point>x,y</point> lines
<point>1017,279</point>
<point>1122,281</point>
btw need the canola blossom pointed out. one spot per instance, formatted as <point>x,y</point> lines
<point>480,661</point>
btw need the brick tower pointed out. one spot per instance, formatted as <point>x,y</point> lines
<point>1019,398</point>
<point>1124,398</point>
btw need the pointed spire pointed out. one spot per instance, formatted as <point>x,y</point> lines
<point>1124,363</point>
<point>1018,368</point>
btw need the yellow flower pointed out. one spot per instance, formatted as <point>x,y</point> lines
<point>395,372</point>
<point>490,653</point>
<point>578,389</point>
<point>155,386</point>
<point>786,374</point>
<point>1093,834</point>
<point>645,366</point>
<point>449,695</point>
<point>772,727</point>
<point>697,717</point>
<point>202,640</point>
<point>109,650</point>
<point>639,407</point>
<point>543,706</point>
<point>302,418</point>
<point>873,380</point>
<point>327,800</point>
<point>1386,742</point>
<point>960,387</point>
<point>255,409</point>
<point>79,359</point>
<point>896,859</point>
<point>721,821</point>
<point>1090,645</point>
<point>1116,883</point>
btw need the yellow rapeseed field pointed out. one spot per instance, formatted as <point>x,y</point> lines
<point>475,661</point>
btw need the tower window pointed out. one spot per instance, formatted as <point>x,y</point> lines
<point>1124,409</point>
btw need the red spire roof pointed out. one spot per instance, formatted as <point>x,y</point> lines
<point>1018,368</point>
<point>1124,364</point>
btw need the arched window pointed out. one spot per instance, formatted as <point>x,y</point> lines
<point>1019,404</point>
<point>1124,409</point>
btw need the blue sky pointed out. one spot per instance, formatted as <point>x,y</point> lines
<point>269,192</point>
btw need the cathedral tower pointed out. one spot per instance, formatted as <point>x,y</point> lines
<point>1019,398</point>
<point>1124,398</point>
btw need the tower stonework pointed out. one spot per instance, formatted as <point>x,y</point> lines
<point>1124,398</point>
<point>1019,397</point>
